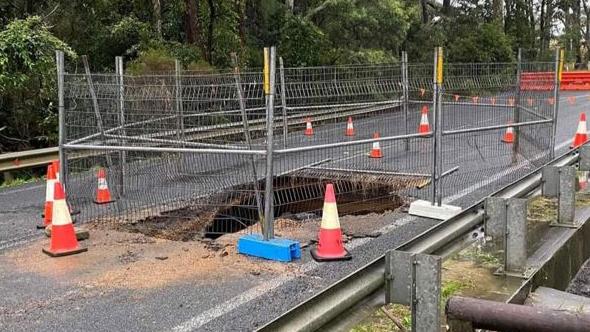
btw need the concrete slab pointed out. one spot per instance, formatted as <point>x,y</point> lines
<point>425,209</point>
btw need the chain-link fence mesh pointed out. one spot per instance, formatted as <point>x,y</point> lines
<point>189,150</point>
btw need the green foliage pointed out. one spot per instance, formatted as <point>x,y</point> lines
<point>27,83</point>
<point>484,43</point>
<point>27,52</point>
<point>301,43</point>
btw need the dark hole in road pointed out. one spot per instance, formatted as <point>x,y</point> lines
<point>295,198</point>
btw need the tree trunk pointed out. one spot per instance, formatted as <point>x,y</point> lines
<point>157,18</point>
<point>210,29</point>
<point>424,7</point>
<point>498,11</point>
<point>191,22</point>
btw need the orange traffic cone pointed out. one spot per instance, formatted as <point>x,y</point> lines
<point>551,101</point>
<point>457,98</point>
<point>376,150</point>
<point>422,92</point>
<point>493,99</point>
<point>424,125</point>
<point>103,194</point>
<point>349,127</point>
<point>47,209</point>
<point>571,100</point>
<point>330,246</point>
<point>508,135</point>
<point>510,101</point>
<point>63,237</point>
<point>581,136</point>
<point>475,99</point>
<point>55,165</point>
<point>308,127</point>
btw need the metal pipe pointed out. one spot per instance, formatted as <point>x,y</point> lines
<point>439,126</point>
<point>487,128</point>
<point>283,101</point>
<point>178,95</point>
<point>171,141</point>
<point>368,172</point>
<point>234,57</point>
<point>516,115</point>
<point>362,141</point>
<point>122,154</point>
<point>557,79</point>
<point>270,90</point>
<point>63,165</point>
<point>435,130</point>
<point>158,149</point>
<point>500,316</point>
<point>530,111</point>
<point>95,106</point>
<point>405,93</point>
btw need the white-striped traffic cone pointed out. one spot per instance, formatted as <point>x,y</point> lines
<point>103,194</point>
<point>581,136</point>
<point>63,240</point>
<point>376,150</point>
<point>330,246</point>
<point>424,126</point>
<point>308,127</point>
<point>48,207</point>
<point>349,127</point>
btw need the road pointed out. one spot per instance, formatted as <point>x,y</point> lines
<point>236,303</point>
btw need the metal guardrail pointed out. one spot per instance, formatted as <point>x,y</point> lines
<point>366,285</point>
<point>25,159</point>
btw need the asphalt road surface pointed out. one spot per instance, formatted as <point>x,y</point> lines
<point>33,302</point>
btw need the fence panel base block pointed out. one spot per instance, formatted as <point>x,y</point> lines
<point>283,250</point>
<point>424,208</point>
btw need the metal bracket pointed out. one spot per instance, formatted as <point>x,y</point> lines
<point>566,197</point>
<point>415,280</point>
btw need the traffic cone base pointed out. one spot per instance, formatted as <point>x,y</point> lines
<point>330,246</point>
<point>46,215</point>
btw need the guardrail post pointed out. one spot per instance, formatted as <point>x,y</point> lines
<point>567,196</point>
<point>269,87</point>
<point>122,154</point>
<point>415,280</point>
<point>550,181</point>
<point>516,236</point>
<point>63,165</point>
<point>584,158</point>
<point>495,219</point>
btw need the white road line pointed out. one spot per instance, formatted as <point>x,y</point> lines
<point>12,191</point>
<point>258,291</point>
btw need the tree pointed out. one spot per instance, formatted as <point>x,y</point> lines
<point>27,83</point>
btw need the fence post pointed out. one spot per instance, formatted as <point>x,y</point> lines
<point>517,98</point>
<point>283,102</point>
<point>437,128</point>
<point>178,95</point>
<point>247,135</point>
<point>269,89</point>
<point>405,96</point>
<point>63,165</point>
<point>557,83</point>
<point>122,154</point>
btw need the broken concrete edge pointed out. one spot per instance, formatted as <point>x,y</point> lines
<point>422,208</point>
